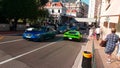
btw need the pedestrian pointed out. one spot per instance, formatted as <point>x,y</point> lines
<point>97,31</point>
<point>90,33</point>
<point>118,50</point>
<point>111,39</point>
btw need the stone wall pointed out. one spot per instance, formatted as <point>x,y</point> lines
<point>6,27</point>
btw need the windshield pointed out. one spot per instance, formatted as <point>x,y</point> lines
<point>33,29</point>
<point>62,27</point>
<point>72,32</point>
<point>73,28</point>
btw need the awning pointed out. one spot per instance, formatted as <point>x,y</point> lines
<point>85,19</point>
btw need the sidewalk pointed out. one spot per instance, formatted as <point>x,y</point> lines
<point>100,56</point>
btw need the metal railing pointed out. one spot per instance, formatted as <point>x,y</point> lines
<point>93,55</point>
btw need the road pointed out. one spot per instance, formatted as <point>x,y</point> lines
<point>16,52</point>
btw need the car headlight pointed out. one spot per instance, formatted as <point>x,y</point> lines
<point>61,31</point>
<point>37,34</point>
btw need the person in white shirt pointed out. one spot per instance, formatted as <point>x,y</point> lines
<point>97,31</point>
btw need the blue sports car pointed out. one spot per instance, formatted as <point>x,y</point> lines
<point>39,34</point>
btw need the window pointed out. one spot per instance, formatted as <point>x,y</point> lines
<point>118,27</point>
<point>108,4</point>
<point>58,11</point>
<point>108,1</point>
<point>112,25</point>
<point>106,24</point>
<point>52,11</point>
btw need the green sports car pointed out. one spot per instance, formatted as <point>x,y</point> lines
<point>72,35</point>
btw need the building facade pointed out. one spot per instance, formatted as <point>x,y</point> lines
<point>110,15</point>
<point>91,11</point>
<point>69,9</point>
<point>77,9</point>
<point>56,9</point>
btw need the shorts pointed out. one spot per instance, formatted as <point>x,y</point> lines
<point>109,51</point>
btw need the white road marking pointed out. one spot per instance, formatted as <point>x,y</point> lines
<point>8,60</point>
<point>11,41</point>
<point>78,61</point>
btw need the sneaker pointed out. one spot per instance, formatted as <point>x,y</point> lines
<point>108,62</point>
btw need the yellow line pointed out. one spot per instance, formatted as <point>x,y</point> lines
<point>1,37</point>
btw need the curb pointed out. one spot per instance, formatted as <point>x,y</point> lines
<point>78,61</point>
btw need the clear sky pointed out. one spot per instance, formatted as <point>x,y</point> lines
<point>86,1</point>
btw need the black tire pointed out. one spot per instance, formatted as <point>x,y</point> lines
<point>79,40</point>
<point>36,40</point>
<point>41,39</point>
<point>53,36</point>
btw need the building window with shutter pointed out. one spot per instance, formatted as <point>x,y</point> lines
<point>52,11</point>
<point>106,24</point>
<point>112,25</point>
<point>58,11</point>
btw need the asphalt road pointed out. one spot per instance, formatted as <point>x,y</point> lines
<point>16,52</point>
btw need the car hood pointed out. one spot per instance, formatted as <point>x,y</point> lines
<point>35,32</point>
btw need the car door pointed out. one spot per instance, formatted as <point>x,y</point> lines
<point>47,33</point>
<point>51,32</point>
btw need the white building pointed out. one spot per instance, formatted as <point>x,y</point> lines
<point>91,10</point>
<point>56,9</point>
<point>77,9</point>
<point>110,15</point>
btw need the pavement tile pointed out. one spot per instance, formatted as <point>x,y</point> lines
<point>101,57</point>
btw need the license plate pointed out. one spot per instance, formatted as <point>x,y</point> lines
<point>28,36</point>
<point>70,38</point>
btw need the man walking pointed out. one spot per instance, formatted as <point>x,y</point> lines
<point>111,39</point>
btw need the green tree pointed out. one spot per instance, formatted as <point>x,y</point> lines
<point>15,9</point>
<point>19,8</point>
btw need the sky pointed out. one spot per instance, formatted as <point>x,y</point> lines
<point>86,1</point>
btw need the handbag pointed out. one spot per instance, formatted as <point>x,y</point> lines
<point>103,43</point>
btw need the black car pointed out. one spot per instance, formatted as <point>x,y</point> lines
<point>74,28</point>
<point>62,29</point>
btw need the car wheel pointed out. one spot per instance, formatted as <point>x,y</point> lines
<point>79,40</point>
<point>36,40</point>
<point>27,39</point>
<point>53,36</point>
<point>41,39</point>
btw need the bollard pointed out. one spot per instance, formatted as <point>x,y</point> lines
<point>86,61</point>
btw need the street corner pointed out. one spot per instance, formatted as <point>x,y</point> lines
<point>1,37</point>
